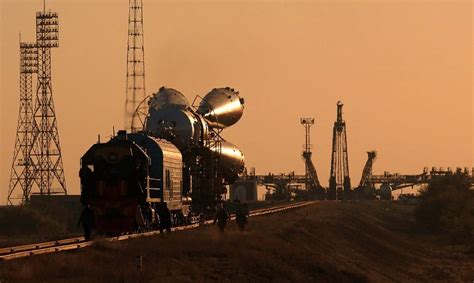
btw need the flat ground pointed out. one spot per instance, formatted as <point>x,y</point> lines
<point>327,241</point>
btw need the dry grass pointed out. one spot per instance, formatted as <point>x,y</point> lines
<point>327,242</point>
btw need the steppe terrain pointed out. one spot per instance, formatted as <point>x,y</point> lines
<point>325,242</point>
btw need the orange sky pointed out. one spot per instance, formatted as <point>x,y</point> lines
<point>402,68</point>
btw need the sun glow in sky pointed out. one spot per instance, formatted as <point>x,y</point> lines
<point>403,70</point>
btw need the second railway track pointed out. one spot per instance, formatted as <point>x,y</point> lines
<point>10,253</point>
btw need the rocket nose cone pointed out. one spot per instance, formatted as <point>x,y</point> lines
<point>222,107</point>
<point>168,97</point>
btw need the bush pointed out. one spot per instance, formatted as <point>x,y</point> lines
<point>42,222</point>
<point>26,221</point>
<point>447,205</point>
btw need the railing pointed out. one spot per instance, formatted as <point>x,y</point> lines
<point>150,189</point>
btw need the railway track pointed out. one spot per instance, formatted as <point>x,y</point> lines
<point>10,253</point>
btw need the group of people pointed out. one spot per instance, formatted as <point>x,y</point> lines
<point>222,217</point>
<point>87,219</point>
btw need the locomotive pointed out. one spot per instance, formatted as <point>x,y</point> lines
<point>179,162</point>
<point>125,180</point>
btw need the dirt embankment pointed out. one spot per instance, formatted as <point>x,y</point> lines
<point>326,242</point>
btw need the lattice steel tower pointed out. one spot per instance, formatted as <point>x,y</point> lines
<point>135,111</point>
<point>339,181</point>
<point>367,172</point>
<point>23,167</point>
<point>49,174</point>
<point>311,176</point>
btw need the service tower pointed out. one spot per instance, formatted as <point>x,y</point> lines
<point>339,182</point>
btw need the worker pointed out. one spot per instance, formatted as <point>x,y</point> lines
<point>241,219</point>
<point>150,214</point>
<point>87,219</point>
<point>165,218</point>
<point>221,219</point>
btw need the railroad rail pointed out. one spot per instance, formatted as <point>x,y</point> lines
<point>10,253</point>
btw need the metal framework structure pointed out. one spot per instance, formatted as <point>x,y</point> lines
<point>49,171</point>
<point>399,181</point>
<point>311,176</point>
<point>367,172</point>
<point>207,184</point>
<point>135,111</point>
<point>23,167</point>
<point>339,180</point>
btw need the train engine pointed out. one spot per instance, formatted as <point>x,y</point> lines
<point>127,179</point>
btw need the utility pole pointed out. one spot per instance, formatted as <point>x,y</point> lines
<point>339,181</point>
<point>135,108</point>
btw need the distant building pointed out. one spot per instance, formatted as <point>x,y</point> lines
<point>245,190</point>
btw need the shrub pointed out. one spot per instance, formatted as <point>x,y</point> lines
<point>26,221</point>
<point>447,205</point>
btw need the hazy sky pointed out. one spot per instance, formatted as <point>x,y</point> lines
<point>402,68</point>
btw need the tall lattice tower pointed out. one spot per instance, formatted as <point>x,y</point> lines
<point>23,167</point>
<point>135,109</point>
<point>49,173</point>
<point>312,184</point>
<point>339,181</point>
<point>312,180</point>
